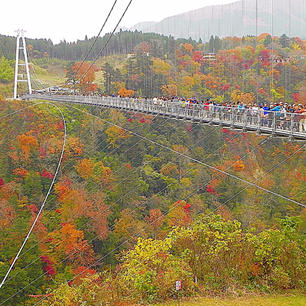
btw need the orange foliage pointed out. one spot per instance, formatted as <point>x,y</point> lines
<point>239,165</point>
<point>80,273</point>
<point>169,90</point>
<point>21,172</point>
<point>85,168</point>
<point>211,82</point>
<point>177,215</point>
<point>181,149</point>
<point>86,83</point>
<point>27,142</point>
<point>156,218</point>
<point>62,188</point>
<point>70,241</point>
<point>123,92</point>
<point>169,169</point>
<point>99,213</point>
<point>188,47</point>
<point>77,203</point>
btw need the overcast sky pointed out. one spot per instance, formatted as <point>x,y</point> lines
<point>71,20</point>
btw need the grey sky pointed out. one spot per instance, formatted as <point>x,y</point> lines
<point>71,20</point>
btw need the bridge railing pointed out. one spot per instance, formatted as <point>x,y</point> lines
<point>271,122</point>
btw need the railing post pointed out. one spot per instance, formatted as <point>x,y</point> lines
<point>274,124</point>
<point>291,125</point>
<point>233,117</point>
<point>245,119</point>
<point>258,122</point>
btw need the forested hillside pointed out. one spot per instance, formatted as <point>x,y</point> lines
<point>248,69</point>
<point>128,217</point>
<point>244,69</point>
<point>122,42</point>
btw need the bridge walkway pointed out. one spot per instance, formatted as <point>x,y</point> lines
<point>273,123</point>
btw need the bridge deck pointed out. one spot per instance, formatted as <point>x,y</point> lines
<point>273,123</point>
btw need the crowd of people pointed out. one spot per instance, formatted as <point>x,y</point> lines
<point>285,115</point>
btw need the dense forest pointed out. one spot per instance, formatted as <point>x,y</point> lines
<point>129,217</point>
<point>122,42</point>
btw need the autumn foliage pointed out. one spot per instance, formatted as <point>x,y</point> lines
<point>84,74</point>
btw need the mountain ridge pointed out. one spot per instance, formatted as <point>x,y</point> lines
<point>234,19</point>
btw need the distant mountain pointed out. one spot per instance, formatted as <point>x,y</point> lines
<point>235,19</point>
<point>146,24</point>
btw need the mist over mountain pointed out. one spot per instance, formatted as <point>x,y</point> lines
<point>235,19</point>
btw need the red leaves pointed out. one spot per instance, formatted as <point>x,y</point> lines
<point>197,56</point>
<point>47,265</point>
<point>146,120</point>
<point>1,182</point>
<point>128,166</point>
<point>210,189</point>
<point>43,152</point>
<point>299,176</point>
<point>187,209</point>
<point>225,87</point>
<point>82,272</point>
<point>225,131</point>
<point>47,174</point>
<point>33,208</point>
<point>60,125</point>
<point>296,98</point>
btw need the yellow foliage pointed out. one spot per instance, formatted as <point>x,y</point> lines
<point>188,80</point>
<point>161,67</point>
<point>85,168</point>
<point>186,182</point>
<point>115,134</point>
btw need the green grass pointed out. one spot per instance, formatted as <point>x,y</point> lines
<point>277,300</point>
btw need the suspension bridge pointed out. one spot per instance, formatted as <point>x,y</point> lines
<point>223,116</point>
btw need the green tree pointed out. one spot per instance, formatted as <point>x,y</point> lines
<point>6,70</point>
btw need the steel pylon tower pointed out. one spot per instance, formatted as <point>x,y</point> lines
<point>18,76</point>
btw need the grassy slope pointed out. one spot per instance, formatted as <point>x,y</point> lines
<point>277,300</point>
<point>50,74</point>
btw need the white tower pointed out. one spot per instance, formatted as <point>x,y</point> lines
<point>18,76</point>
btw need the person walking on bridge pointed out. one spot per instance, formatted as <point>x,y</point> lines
<point>301,111</point>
